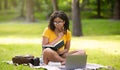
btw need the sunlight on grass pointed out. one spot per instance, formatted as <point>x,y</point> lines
<point>20,29</point>
<point>98,50</point>
<point>20,41</point>
<point>109,44</point>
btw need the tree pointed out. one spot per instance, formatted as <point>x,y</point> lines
<point>21,8</point>
<point>77,26</point>
<point>30,10</point>
<point>55,5</point>
<point>14,3</point>
<point>0,4</point>
<point>37,5</point>
<point>116,14</point>
<point>99,8</point>
<point>6,4</point>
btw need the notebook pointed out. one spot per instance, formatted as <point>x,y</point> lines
<point>75,62</point>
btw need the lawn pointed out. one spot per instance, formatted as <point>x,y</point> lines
<point>101,41</point>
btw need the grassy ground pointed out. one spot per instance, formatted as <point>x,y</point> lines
<point>101,41</point>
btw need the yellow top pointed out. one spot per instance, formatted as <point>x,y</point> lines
<point>52,36</point>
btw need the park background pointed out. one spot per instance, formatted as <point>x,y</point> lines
<point>95,26</point>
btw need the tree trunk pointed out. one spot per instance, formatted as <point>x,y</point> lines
<point>14,3</point>
<point>116,14</point>
<point>30,11</point>
<point>37,4</point>
<point>112,7</point>
<point>77,26</point>
<point>6,4</point>
<point>21,8</point>
<point>0,4</point>
<point>55,5</point>
<point>98,9</point>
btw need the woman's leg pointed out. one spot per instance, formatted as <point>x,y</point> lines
<point>51,55</point>
<point>77,52</point>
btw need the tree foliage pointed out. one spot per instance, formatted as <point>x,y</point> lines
<point>43,8</point>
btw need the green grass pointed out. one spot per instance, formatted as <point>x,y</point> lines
<point>22,29</point>
<point>101,27</point>
<point>90,27</point>
<point>101,41</point>
<point>100,49</point>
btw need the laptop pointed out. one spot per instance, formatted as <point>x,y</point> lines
<point>75,62</point>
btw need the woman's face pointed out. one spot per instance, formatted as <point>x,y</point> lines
<point>59,23</point>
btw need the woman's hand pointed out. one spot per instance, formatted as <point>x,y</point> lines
<point>60,34</point>
<point>62,52</point>
<point>60,29</point>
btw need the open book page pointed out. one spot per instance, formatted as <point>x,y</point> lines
<point>58,43</point>
<point>55,46</point>
<point>45,46</point>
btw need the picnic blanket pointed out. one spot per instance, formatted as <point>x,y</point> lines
<point>58,66</point>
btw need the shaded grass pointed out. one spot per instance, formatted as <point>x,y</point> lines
<point>11,50</point>
<point>90,27</point>
<point>7,15</point>
<point>100,27</point>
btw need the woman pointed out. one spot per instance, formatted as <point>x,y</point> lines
<point>58,29</point>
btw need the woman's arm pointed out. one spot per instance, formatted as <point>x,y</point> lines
<point>66,49</point>
<point>45,40</point>
<point>67,46</point>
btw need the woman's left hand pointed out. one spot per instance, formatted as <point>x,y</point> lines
<point>62,52</point>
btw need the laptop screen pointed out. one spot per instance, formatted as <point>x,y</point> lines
<point>75,62</point>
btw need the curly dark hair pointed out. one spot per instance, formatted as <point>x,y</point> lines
<point>61,15</point>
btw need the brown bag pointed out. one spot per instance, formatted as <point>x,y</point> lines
<point>23,59</point>
<point>26,60</point>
